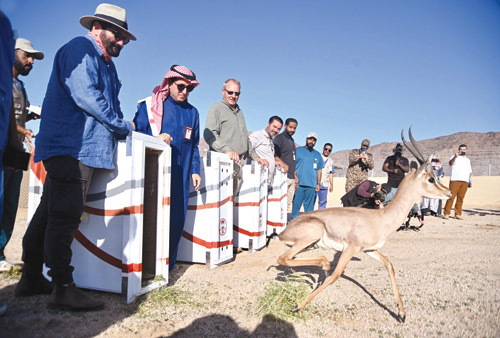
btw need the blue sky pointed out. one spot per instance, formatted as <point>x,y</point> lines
<point>347,70</point>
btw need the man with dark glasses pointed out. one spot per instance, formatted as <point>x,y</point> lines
<point>326,176</point>
<point>168,115</point>
<point>226,130</point>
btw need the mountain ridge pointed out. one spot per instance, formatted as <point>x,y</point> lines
<point>483,149</point>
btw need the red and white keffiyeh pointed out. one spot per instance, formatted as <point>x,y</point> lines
<point>161,92</point>
<point>97,39</point>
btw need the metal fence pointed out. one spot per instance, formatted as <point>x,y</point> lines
<point>480,167</point>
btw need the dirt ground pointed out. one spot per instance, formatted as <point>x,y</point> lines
<point>448,275</point>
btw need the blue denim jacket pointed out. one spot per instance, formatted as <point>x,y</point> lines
<point>81,114</point>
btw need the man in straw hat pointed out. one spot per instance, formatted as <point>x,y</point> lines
<point>25,56</point>
<point>168,115</point>
<point>81,121</point>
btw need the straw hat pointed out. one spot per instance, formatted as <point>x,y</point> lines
<point>110,14</point>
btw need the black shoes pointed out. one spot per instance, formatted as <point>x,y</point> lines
<point>70,298</point>
<point>31,285</point>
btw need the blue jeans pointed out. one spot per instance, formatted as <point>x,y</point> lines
<point>303,195</point>
<point>11,186</point>
<point>321,196</point>
<point>390,196</point>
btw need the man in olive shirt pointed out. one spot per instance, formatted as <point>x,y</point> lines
<point>226,130</point>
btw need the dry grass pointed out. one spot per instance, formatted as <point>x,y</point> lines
<point>164,297</point>
<point>281,297</point>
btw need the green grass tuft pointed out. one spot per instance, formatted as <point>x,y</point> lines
<point>14,273</point>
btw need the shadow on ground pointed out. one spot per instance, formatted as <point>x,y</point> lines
<point>225,326</point>
<point>29,316</point>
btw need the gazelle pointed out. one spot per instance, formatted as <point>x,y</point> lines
<point>351,230</point>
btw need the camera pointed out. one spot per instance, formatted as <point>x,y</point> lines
<point>379,196</point>
<point>462,153</point>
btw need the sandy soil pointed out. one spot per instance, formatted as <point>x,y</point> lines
<point>448,275</point>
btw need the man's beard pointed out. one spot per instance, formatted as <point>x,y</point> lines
<point>21,68</point>
<point>112,48</point>
<point>310,145</point>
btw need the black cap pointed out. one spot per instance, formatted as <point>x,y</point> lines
<point>386,188</point>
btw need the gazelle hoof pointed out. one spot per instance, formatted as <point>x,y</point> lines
<point>401,318</point>
<point>295,309</point>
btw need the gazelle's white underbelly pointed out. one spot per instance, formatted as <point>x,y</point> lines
<point>327,243</point>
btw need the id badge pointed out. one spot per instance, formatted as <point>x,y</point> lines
<point>187,133</point>
<point>315,166</point>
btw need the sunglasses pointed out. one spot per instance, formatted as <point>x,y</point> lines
<point>181,87</point>
<point>327,149</point>
<point>118,35</point>
<point>231,93</point>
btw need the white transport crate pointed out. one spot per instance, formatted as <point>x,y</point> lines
<point>122,242</point>
<point>277,204</point>
<point>208,231</point>
<point>250,209</point>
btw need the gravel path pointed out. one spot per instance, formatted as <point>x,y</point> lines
<point>448,275</point>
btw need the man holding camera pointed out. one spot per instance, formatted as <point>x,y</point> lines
<point>368,194</point>
<point>396,166</point>
<point>360,161</point>
<point>460,178</point>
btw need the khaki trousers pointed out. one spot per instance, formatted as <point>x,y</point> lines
<point>458,190</point>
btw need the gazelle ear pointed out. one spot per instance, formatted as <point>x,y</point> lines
<point>425,167</point>
<point>428,163</point>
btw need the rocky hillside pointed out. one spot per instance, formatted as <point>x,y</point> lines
<point>483,151</point>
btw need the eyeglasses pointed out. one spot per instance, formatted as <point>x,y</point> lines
<point>181,87</point>
<point>118,35</point>
<point>231,93</point>
<point>327,149</point>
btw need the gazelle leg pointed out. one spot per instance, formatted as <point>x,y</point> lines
<point>345,257</point>
<point>288,258</point>
<point>388,265</point>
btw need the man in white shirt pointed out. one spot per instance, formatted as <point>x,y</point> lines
<point>460,176</point>
<point>262,142</point>
<point>326,177</point>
